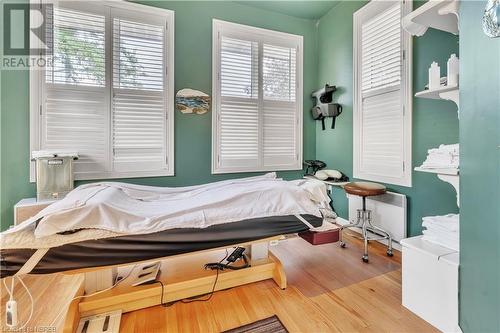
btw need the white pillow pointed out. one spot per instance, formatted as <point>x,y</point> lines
<point>333,174</point>
<point>321,174</point>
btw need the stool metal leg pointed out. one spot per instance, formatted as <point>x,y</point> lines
<point>364,221</point>
<point>350,225</point>
<point>365,238</point>
<point>376,229</point>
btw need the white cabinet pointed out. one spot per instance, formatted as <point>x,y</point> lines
<point>430,282</point>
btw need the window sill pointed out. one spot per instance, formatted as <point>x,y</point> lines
<point>103,176</point>
<point>266,169</point>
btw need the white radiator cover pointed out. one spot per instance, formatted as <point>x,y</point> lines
<point>388,212</point>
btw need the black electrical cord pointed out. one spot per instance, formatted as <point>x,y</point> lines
<point>196,298</point>
<point>218,265</point>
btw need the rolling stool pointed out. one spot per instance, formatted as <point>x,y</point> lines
<point>364,221</point>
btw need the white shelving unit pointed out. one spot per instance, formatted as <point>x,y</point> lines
<point>430,271</point>
<point>437,14</point>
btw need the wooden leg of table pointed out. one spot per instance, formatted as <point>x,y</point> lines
<point>279,275</point>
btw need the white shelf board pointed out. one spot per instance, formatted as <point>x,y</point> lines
<point>437,14</point>
<point>436,93</point>
<point>450,93</point>
<point>447,171</point>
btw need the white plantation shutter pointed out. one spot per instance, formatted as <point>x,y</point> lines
<point>239,104</point>
<point>382,122</point>
<point>382,135</point>
<point>381,50</point>
<point>106,94</point>
<point>279,107</point>
<point>76,121</point>
<point>139,103</point>
<point>75,111</point>
<point>257,99</point>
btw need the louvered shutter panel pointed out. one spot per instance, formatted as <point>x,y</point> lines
<point>138,102</point>
<point>239,104</point>
<point>381,127</point>
<point>75,100</point>
<point>257,113</point>
<point>279,106</point>
<point>381,50</point>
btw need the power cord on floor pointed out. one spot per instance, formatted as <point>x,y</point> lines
<point>11,299</point>
<point>196,298</point>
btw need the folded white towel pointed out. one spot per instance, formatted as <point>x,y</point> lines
<point>443,230</point>
<point>449,222</point>
<point>454,148</point>
<point>443,157</point>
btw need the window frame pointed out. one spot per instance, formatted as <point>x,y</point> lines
<point>260,35</point>
<point>37,86</point>
<point>359,17</point>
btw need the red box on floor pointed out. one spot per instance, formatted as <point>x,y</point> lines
<point>320,237</point>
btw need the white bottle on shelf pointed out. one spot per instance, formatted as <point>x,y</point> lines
<point>453,68</point>
<point>434,76</point>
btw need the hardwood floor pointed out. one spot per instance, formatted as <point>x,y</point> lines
<point>330,290</point>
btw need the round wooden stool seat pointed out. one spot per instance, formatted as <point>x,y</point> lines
<point>365,189</point>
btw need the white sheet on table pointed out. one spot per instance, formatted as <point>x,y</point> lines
<point>111,209</point>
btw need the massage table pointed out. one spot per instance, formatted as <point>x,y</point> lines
<point>136,248</point>
<point>182,252</point>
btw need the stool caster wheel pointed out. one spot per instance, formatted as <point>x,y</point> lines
<point>389,253</point>
<point>364,258</point>
<point>342,245</point>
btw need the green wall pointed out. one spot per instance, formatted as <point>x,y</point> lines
<point>479,173</point>
<point>434,121</point>
<point>193,66</point>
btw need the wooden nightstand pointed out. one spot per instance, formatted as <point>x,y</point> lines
<point>27,208</point>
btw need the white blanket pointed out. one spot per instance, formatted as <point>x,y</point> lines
<point>110,209</point>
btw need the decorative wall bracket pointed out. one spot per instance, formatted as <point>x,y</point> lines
<point>454,180</point>
<point>437,14</point>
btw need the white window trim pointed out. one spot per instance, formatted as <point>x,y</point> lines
<point>35,84</point>
<point>277,38</point>
<point>407,47</point>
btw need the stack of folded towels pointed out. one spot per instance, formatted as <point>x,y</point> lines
<point>442,230</point>
<point>444,157</point>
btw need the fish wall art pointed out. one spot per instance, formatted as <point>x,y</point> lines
<point>190,101</point>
